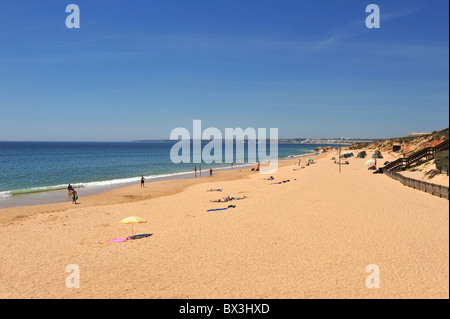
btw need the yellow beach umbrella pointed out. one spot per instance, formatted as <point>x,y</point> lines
<point>132,220</point>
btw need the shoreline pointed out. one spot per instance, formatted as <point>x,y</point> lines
<point>133,192</point>
<point>56,196</point>
<point>52,194</point>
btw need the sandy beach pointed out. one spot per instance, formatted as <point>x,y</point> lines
<point>311,237</point>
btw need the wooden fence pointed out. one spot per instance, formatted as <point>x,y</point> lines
<point>433,189</point>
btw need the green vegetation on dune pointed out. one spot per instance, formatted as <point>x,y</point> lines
<point>442,159</point>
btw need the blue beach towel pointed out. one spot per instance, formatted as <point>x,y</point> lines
<point>213,210</point>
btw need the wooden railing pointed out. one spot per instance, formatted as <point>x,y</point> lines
<point>433,189</point>
<point>427,153</point>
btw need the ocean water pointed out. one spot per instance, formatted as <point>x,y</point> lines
<point>40,168</point>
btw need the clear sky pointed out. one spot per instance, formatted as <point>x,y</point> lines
<point>138,69</point>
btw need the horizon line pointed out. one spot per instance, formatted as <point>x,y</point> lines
<point>169,140</point>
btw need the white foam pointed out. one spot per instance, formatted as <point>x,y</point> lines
<point>5,194</point>
<point>98,184</point>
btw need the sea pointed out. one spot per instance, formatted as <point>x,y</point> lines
<point>33,173</point>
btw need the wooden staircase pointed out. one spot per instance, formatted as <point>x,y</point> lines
<point>427,154</point>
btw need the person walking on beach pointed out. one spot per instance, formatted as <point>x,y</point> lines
<point>195,171</point>
<point>142,181</point>
<point>200,170</point>
<point>210,171</point>
<point>298,162</point>
<point>74,196</point>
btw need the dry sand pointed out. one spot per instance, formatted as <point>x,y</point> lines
<point>312,237</point>
<point>427,172</point>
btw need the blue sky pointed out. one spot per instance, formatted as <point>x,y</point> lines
<point>138,69</point>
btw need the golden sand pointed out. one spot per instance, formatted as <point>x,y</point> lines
<point>311,237</point>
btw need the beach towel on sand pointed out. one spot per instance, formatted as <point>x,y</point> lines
<point>117,240</point>
<point>121,240</point>
<point>139,236</point>
<point>213,210</point>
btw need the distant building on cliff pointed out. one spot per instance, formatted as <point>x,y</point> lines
<point>418,134</point>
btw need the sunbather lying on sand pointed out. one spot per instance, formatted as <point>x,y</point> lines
<point>215,190</point>
<point>227,199</point>
<point>280,182</point>
<point>238,198</point>
<point>342,163</point>
<point>223,199</point>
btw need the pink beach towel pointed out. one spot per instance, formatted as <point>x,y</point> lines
<point>117,240</point>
